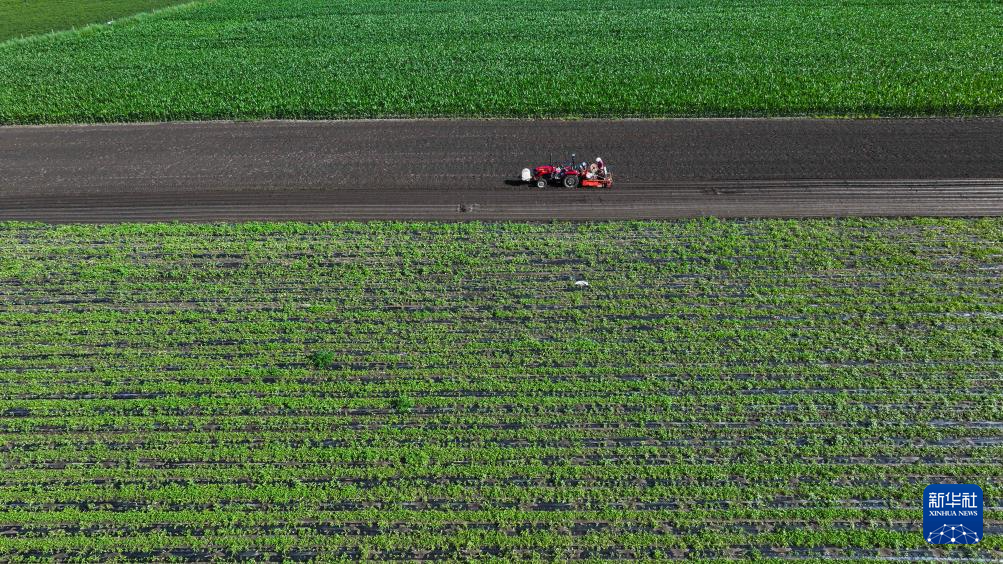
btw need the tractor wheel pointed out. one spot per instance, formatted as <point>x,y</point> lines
<point>571,181</point>
<point>541,183</point>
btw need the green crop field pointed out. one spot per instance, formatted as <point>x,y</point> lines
<point>20,18</point>
<point>416,390</point>
<point>410,58</point>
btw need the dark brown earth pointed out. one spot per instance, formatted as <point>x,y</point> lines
<point>455,169</point>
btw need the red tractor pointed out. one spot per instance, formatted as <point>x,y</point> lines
<point>569,175</point>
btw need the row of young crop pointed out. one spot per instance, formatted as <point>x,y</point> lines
<point>637,405</point>
<point>808,240</point>
<point>764,350</point>
<point>417,465</point>
<point>870,444</point>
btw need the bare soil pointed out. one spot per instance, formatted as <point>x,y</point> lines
<point>464,169</point>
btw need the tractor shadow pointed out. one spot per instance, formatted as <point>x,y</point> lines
<point>525,186</point>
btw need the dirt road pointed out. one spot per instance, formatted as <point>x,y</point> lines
<point>454,169</point>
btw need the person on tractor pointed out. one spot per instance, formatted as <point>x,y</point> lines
<point>571,163</point>
<point>601,171</point>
